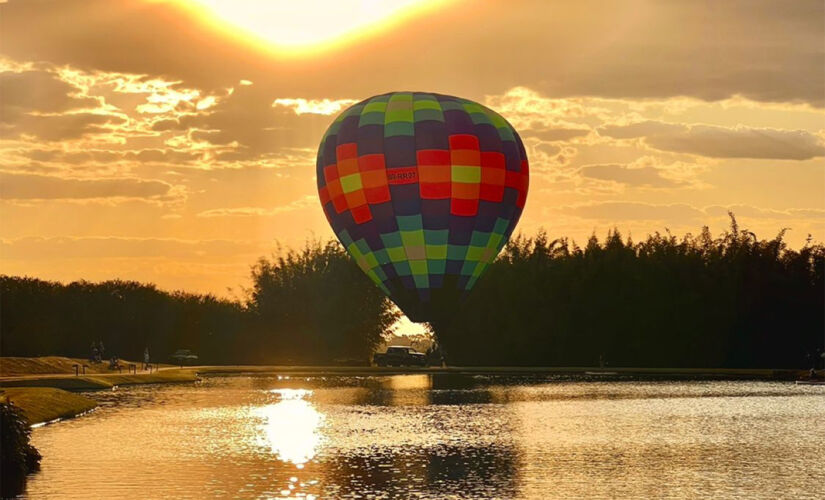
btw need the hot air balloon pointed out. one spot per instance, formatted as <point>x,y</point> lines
<point>423,190</point>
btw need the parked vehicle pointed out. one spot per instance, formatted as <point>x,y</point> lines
<point>400,356</point>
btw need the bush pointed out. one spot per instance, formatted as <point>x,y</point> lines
<point>18,457</point>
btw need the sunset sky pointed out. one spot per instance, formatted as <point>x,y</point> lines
<point>174,142</point>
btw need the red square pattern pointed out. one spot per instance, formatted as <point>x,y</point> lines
<point>336,193</point>
<point>372,171</point>
<point>323,194</point>
<point>434,174</point>
<point>361,214</point>
<point>519,181</point>
<point>348,151</point>
<point>434,178</point>
<point>464,150</point>
<point>374,178</point>
<point>493,168</point>
<point>464,207</point>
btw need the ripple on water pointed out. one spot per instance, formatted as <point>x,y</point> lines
<point>435,437</point>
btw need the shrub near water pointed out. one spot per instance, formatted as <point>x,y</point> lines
<point>17,456</point>
<point>698,301</point>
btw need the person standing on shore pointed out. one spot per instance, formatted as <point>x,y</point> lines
<point>146,358</point>
<point>93,354</point>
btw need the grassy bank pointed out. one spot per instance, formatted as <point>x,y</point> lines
<point>42,386</point>
<point>103,381</point>
<point>59,372</point>
<point>43,404</point>
<point>11,366</point>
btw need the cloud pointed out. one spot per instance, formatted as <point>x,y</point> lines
<point>305,202</point>
<point>760,49</point>
<point>59,159</point>
<point>632,176</point>
<point>634,211</point>
<point>680,213</point>
<point>166,155</point>
<point>547,158</point>
<point>556,134</point>
<point>113,247</point>
<point>765,213</point>
<point>63,126</point>
<point>742,142</point>
<point>40,91</point>
<point>142,118</point>
<point>722,142</point>
<point>652,172</point>
<point>641,129</point>
<point>42,187</point>
<point>248,127</point>
<point>39,103</point>
<point>528,109</point>
<point>314,106</point>
<point>808,213</point>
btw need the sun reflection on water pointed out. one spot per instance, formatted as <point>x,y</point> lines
<point>438,437</point>
<point>291,427</point>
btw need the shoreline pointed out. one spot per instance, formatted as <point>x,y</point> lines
<point>101,381</point>
<point>42,405</point>
<point>784,374</point>
<point>48,397</point>
<point>45,398</point>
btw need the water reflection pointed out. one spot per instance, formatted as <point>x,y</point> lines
<point>291,426</point>
<point>433,437</point>
<point>433,472</point>
<point>406,382</point>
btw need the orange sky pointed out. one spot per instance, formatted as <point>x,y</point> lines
<point>174,142</point>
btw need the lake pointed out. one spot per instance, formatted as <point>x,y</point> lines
<point>439,436</point>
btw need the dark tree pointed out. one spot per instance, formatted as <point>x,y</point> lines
<point>733,301</point>
<point>41,318</point>
<point>698,301</point>
<point>316,305</point>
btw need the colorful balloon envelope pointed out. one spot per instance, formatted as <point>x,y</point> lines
<point>423,190</point>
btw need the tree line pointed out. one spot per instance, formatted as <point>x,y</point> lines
<point>695,301</point>
<point>307,306</point>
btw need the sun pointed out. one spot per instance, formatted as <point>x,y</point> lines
<point>297,27</point>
